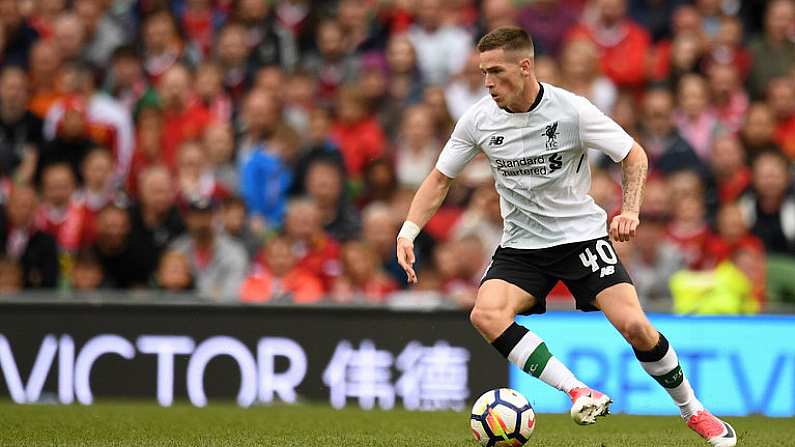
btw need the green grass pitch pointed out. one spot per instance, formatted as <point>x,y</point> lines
<point>145,424</point>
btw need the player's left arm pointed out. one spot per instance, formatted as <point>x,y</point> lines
<point>634,168</point>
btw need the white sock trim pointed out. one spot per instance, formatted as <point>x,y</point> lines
<point>521,352</point>
<point>662,366</point>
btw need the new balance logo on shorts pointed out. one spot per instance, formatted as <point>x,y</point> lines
<point>496,140</point>
<point>607,271</point>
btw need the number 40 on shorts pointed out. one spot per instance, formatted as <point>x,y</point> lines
<point>607,256</point>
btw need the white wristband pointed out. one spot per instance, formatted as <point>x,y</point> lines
<point>409,230</point>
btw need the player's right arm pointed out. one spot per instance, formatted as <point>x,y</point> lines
<point>459,150</point>
<point>426,201</point>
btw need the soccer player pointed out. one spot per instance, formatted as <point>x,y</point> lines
<point>536,137</point>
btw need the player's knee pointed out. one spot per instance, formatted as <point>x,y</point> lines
<point>488,320</point>
<point>639,333</point>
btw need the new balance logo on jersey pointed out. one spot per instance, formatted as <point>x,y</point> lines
<point>551,132</point>
<point>496,140</point>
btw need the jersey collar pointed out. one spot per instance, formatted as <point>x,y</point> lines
<point>533,106</point>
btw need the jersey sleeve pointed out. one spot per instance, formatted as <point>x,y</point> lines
<point>599,132</point>
<point>459,150</point>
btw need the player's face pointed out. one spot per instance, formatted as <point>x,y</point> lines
<point>504,75</point>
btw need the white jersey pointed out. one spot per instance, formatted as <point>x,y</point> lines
<point>539,160</point>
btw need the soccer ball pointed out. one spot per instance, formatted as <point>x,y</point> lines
<point>502,418</point>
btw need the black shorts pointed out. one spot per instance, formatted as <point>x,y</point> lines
<point>586,268</point>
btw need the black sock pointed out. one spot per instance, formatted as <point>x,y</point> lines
<point>509,339</point>
<point>656,353</point>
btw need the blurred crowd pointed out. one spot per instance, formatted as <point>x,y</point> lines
<point>268,150</point>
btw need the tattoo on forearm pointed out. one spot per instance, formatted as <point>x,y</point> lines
<point>633,185</point>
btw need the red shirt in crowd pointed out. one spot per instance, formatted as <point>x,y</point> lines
<point>718,250</point>
<point>623,51</point>
<point>360,143</point>
<point>321,259</point>
<point>198,26</point>
<point>732,188</point>
<point>785,136</point>
<point>374,290</point>
<point>691,244</point>
<point>179,127</point>
<point>261,286</point>
<point>72,227</point>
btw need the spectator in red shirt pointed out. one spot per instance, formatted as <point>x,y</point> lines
<point>148,136</point>
<point>200,20</point>
<point>278,276</point>
<point>735,243</point>
<point>184,117</point>
<point>61,214</point>
<point>315,250</point>
<point>357,132</point>
<point>732,235</point>
<point>781,98</point>
<point>729,168</point>
<point>363,279</point>
<point>688,228</point>
<point>624,45</point>
<point>729,99</point>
